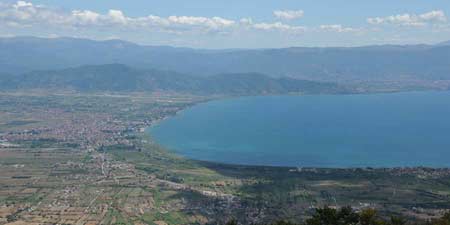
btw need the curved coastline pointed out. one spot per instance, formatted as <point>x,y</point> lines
<point>209,161</point>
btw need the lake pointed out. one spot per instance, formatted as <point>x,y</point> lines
<point>376,130</point>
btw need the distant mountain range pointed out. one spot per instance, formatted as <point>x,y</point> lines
<point>444,43</point>
<point>121,78</point>
<point>371,63</point>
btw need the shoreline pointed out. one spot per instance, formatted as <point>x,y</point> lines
<point>291,168</point>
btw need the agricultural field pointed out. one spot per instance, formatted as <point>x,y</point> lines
<point>86,159</point>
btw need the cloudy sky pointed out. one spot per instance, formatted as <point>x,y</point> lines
<point>232,23</point>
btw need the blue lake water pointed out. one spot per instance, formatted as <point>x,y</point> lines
<point>377,130</point>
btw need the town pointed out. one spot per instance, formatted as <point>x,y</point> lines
<point>86,159</point>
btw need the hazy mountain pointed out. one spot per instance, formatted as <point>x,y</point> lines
<point>387,62</point>
<point>445,43</point>
<point>121,78</point>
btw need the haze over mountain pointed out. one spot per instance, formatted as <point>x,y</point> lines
<point>444,43</point>
<point>379,63</point>
<point>121,78</point>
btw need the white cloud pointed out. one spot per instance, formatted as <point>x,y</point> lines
<point>288,14</point>
<point>413,20</point>
<point>25,14</point>
<point>117,16</point>
<point>21,4</point>
<point>85,16</point>
<point>214,22</point>
<point>337,28</point>
<point>278,26</point>
<point>246,21</point>
<point>436,15</point>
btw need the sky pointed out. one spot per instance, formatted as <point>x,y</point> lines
<point>222,24</point>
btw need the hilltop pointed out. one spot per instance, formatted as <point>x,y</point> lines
<point>352,64</point>
<point>122,78</point>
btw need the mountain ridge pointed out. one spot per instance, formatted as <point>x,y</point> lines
<point>122,78</point>
<point>333,64</point>
<point>444,43</point>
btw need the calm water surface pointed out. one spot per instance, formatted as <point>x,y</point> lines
<point>379,130</point>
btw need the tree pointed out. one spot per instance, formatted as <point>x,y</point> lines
<point>323,216</point>
<point>370,217</point>
<point>397,221</point>
<point>232,222</point>
<point>282,222</point>
<point>444,220</point>
<point>329,216</point>
<point>346,216</point>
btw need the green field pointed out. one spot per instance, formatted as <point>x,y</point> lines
<point>83,159</point>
